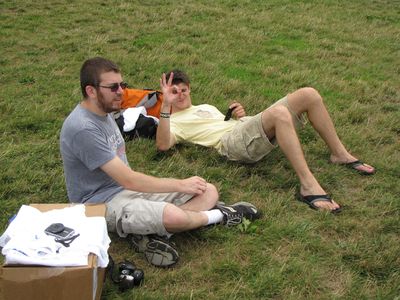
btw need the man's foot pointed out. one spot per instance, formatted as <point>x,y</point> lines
<point>354,164</point>
<point>311,201</point>
<point>157,250</point>
<point>360,167</point>
<point>234,214</point>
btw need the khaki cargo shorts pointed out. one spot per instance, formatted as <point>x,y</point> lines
<point>140,213</point>
<point>247,141</point>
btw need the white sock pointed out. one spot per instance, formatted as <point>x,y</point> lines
<point>214,216</point>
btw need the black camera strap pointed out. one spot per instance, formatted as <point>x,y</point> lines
<point>110,270</point>
<point>67,241</point>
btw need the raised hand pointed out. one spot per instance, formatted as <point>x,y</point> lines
<point>168,89</point>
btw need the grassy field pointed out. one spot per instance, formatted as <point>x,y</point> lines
<point>252,51</point>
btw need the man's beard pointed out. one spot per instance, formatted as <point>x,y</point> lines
<point>103,105</point>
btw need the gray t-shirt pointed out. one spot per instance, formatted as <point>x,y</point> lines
<point>87,142</point>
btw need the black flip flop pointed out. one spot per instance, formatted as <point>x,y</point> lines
<point>354,164</point>
<point>310,199</point>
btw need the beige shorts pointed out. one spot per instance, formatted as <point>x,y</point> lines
<point>140,213</point>
<point>247,142</point>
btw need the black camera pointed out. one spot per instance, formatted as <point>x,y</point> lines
<point>128,275</point>
<point>62,234</point>
<point>59,231</point>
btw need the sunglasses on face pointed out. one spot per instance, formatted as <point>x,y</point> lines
<point>115,86</point>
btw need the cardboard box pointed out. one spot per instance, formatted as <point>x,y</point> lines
<point>38,282</point>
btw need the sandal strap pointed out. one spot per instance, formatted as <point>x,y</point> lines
<point>315,198</point>
<point>355,163</point>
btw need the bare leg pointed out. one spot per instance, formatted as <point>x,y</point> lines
<point>277,122</point>
<point>177,220</point>
<point>308,100</point>
<point>205,201</point>
<point>189,216</point>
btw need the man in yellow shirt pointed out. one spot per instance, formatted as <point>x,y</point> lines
<point>249,139</point>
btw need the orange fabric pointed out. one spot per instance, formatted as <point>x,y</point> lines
<point>131,97</point>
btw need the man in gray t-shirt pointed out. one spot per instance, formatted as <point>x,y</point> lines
<point>97,171</point>
<point>94,140</point>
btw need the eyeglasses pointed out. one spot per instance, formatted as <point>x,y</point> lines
<point>115,86</point>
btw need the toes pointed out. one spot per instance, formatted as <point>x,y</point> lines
<point>365,168</point>
<point>329,206</point>
<point>336,206</point>
<point>324,205</point>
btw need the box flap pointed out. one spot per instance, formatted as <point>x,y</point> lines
<point>91,210</point>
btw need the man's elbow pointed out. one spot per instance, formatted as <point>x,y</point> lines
<point>128,184</point>
<point>132,182</point>
<point>162,147</point>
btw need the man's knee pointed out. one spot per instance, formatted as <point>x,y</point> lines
<point>280,114</point>
<point>311,95</point>
<point>212,195</point>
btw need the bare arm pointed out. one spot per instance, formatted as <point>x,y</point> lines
<point>164,139</point>
<point>140,182</point>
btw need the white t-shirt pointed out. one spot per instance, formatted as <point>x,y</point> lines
<point>25,241</point>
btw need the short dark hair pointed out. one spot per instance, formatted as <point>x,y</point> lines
<point>179,77</point>
<point>92,69</point>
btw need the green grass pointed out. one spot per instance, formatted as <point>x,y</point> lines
<point>252,51</point>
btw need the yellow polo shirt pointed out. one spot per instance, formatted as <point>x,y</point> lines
<point>200,124</point>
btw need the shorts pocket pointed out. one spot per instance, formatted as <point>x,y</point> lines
<point>137,222</point>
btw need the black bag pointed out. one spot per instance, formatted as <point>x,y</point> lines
<point>146,127</point>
